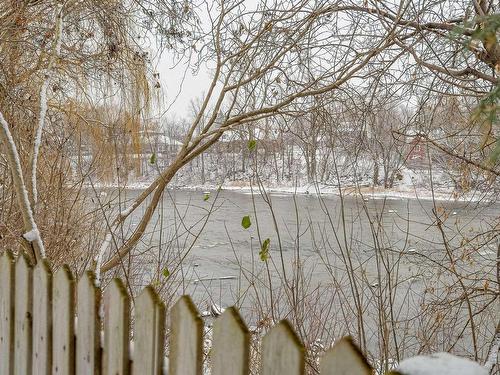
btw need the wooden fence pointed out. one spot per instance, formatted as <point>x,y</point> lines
<point>50,324</point>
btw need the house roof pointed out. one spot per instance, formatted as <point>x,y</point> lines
<point>159,137</point>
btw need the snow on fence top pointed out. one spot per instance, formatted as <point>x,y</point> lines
<point>40,335</point>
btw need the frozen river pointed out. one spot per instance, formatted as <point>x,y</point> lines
<point>209,255</point>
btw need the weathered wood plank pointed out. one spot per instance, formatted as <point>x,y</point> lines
<point>63,317</point>
<point>116,329</point>
<point>186,339</point>
<point>23,300</point>
<point>344,358</point>
<point>149,333</point>
<point>42,319</point>
<point>230,345</point>
<point>88,326</point>
<point>6,313</point>
<point>282,351</point>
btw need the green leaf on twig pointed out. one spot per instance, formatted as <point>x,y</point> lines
<point>165,273</point>
<point>264,250</point>
<point>245,222</point>
<point>252,144</point>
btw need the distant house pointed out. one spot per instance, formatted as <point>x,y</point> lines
<point>159,143</point>
<point>157,150</point>
<point>417,149</point>
<point>417,152</point>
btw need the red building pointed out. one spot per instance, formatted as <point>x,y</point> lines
<point>417,152</point>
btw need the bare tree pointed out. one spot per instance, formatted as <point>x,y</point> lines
<point>256,54</point>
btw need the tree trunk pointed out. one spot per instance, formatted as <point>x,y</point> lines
<point>376,173</point>
<point>202,169</point>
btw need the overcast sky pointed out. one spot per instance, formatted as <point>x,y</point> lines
<point>180,86</point>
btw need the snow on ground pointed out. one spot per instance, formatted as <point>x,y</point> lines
<point>414,184</point>
<point>402,191</point>
<point>440,364</point>
<point>398,192</point>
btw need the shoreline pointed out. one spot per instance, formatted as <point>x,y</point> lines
<point>368,192</point>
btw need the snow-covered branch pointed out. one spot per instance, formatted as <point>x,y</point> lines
<point>43,104</point>
<point>32,234</point>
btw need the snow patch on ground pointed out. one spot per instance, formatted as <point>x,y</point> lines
<point>412,185</point>
<point>399,192</point>
<point>493,353</point>
<point>440,364</point>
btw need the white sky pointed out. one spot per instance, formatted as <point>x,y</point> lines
<point>180,86</point>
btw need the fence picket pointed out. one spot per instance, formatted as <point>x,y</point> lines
<point>63,317</point>
<point>230,346</point>
<point>116,329</point>
<point>282,351</point>
<point>42,318</point>
<point>186,345</point>
<point>344,358</point>
<point>149,333</point>
<point>88,326</point>
<point>23,317</point>
<point>6,312</point>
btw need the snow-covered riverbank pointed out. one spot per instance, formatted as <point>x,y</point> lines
<point>366,192</point>
<point>409,184</point>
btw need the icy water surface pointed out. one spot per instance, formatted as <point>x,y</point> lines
<point>221,263</point>
<point>308,227</point>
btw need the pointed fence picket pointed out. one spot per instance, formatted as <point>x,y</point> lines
<point>6,313</point>
<point>51,325</point>
<point>186,339</point>
<point>23,299</point>
<point>42,319</point>
<point>149,333</point>
<point>282,351</point>
<point>344,358</point>
<point>63,318</point>
<point>88,326</point>
<point>230,353</point>
<point>116,329</point>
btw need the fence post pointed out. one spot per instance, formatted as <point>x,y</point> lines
<point>6,313</point>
